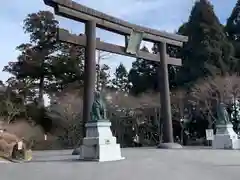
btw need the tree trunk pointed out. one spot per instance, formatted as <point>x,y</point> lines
<point>41,90</point>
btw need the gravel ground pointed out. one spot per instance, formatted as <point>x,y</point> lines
<point>140,164</point>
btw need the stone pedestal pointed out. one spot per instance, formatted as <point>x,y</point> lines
<point>99,143</point>
<point>226,138</point>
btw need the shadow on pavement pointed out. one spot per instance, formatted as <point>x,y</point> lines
<point>57,161</point>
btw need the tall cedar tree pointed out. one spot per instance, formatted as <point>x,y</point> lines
<point>143,75</point>
<point>120,81</point>
<point>233,29</point>
<point>208,50</point>
<point>34,61</point>
<point>67,68</point>
<point>103,75</point>
<point>47,63</point>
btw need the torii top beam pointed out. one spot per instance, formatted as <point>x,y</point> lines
<point>78,12</point>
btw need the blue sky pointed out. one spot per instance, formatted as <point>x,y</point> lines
<point>165,15</point>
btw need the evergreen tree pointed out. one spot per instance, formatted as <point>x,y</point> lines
<point>120,81</point>
<point>47,63</point>
<point>67,68</point>
<point>233,29</point>
<point>44,64</point>
<point>208,50</point>
<point>103,75</point>
<point>35,57</point>
<point>143,75</point>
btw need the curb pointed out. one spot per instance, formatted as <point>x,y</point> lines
<point>3,160</point>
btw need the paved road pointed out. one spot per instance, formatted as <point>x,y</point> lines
<point>140,164</point>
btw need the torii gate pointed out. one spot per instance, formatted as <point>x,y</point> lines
<point>134,34</point>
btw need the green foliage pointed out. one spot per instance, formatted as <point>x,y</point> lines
<point>45,63</point>
<point>23,87</point>
<point>34,61</point>
<point>120,81</point>
<point>12,109</point>
<point>67,67</point>
<point>233,23</point>
<point>233,29</point>
<point>143,75</point>
<point>103,75</point>
<point>208,51</point>
<point>11,104</point>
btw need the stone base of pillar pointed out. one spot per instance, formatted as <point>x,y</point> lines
<point>76,151</point>
<point>169,146</point>
<point>99,143</point>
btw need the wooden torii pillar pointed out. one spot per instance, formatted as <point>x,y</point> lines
<point>94,19</point>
